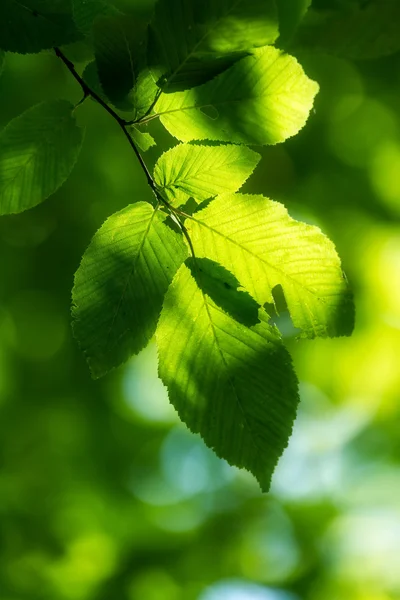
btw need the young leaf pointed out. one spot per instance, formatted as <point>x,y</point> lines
<point>190,42</point>
<point>263,99</point>
<point>203,171</point>
<point>142,139</point>
<point>86,11</point>
<point>367,31</point>
<point>38,151</point>
<point>118,45</point>
<point>29,26</point>
<point>120,285</point>
<point>258,241</point>
<point>232,384</point>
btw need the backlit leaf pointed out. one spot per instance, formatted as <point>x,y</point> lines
<point>263,99</point>
<point>233,384</point>
<point>120,285</point>
<point>258,241</point>
<point>203,171</point>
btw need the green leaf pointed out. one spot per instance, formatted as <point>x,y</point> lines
<point>142,139</point>
<point>86,11</point>
<point>119,46</point>
<point>291,12</point>
<point>144,94</point>
<point>364,31</point>
<point>203,171</point>
<point>29,26</point>
<point>120,285</point>
<point>258,241</point>
<point>91,77</point>
<point>224,289</point>
<point>232,384</point>
<point>263,99</point>
<point>38,151</point>
<point>190,42</point>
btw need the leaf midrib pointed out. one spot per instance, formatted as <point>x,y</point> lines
<point>38,148</point>
<point>258,257</point>
<point>231,383</point>
<point>131,271</point>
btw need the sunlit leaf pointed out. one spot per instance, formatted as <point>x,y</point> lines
<point>120,285</point>
<point>258,241</point>
<point>33,25</point>
<point>144,94</point>
<point>142,139</point>
<point>38,151</point>
<point>263,99</point>
<point>203,171</point>
<point>190,42</point>
<point>233,384</point>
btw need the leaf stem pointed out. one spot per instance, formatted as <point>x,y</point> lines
<point>87,91</point>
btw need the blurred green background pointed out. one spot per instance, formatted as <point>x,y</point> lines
<point>103,494</point>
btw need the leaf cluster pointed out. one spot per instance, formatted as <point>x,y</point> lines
<point>204,268</point>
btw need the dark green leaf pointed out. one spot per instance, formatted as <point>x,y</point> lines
<point>291,12</point>
<point>29,26</point>
<point>191,42</point>
<point>362,30</point>
<point>38,151</point>
<point>2,60</point>
<point>86,11</point>
<point>119,47</point>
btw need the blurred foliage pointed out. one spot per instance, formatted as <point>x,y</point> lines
<point>103,495</point>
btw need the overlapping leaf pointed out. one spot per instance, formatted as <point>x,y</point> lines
<point>118,45</point>
<point>257,241</point>
<point>120,285</point>
<point>233,384</point>
<point>263,99</point>
<point>203,171</point>
<point>190,42</point>
<point>38,151</point>
<point>33,25</point>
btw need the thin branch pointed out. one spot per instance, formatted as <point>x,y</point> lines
<point>87,91</point>
<point>121,122</point>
